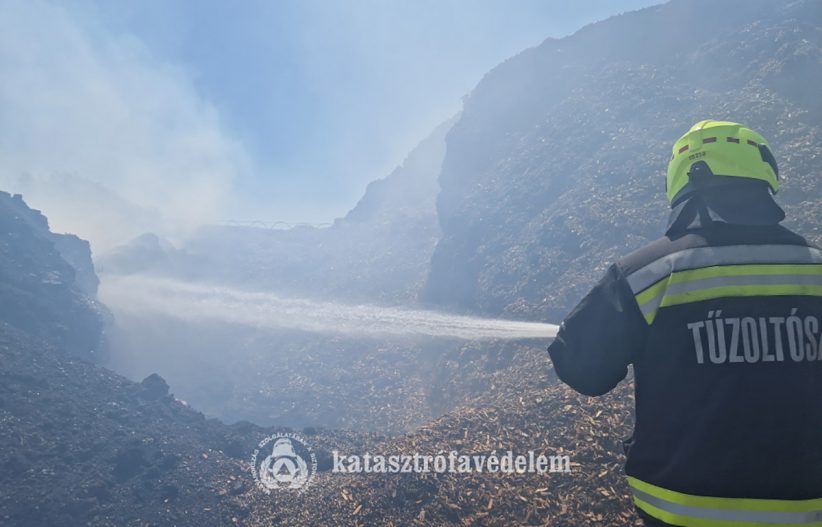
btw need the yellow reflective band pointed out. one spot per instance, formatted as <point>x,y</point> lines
<point>652,291</point>
<point>650,316</point>
<point>744,270</point>
<point>746,280</point>
<point>726,503</point>
<point>745,290</point>
<point>687,510</point>
<point>726,255</point>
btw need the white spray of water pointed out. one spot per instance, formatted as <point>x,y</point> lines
<point>195,302</point>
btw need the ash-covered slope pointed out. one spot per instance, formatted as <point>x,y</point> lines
<point>47,282</point>
<point>78,443</point>
<point>81,445</point>
<point>556,166</point>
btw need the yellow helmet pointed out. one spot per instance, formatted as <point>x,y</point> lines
<point>727,150</point>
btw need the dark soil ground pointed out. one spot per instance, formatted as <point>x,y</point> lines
<point>84,446</point>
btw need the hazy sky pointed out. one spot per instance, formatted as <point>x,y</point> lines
<point>272,110</point>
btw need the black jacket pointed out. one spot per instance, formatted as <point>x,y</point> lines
<point>723,326</point>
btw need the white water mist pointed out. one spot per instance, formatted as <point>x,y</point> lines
<point>268,311</point>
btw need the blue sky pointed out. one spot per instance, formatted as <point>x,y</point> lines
<point>300,102</point>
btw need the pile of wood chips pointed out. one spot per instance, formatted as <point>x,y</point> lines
<point>527,410</point>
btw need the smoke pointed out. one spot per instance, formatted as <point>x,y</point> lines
<point>102,136</point>
<point>267,311</point>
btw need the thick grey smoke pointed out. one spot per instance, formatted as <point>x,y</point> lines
<point>105,138</point>
<point>192,302</point>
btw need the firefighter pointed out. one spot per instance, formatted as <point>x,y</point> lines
<point>722,321</point>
